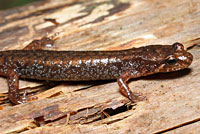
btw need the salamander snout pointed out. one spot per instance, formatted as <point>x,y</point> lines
<point>185,59</point>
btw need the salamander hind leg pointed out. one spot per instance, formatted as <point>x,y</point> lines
<point>13,92</point>
<point>46,43</point>
<point>125,90</point>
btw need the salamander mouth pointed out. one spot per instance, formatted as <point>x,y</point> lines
<point>184,61</point>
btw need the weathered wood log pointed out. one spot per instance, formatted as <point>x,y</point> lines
<point>172,104</point>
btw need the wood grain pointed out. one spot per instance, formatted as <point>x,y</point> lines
<point>172,104</point>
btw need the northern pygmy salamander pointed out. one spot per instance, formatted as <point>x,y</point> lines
<point>90,65</point>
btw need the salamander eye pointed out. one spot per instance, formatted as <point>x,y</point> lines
<point>171,60</point>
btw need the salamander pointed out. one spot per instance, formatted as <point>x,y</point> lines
<point>91,65</point>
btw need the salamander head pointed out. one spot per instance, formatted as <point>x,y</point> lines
<point>175,58</point>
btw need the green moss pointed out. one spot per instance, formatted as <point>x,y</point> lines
<point>6,4</point>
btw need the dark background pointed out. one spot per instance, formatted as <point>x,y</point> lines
<point>7,4</point>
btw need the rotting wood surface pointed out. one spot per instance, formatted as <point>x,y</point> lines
<point>172,104</point>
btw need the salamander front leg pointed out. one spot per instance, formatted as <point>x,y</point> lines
<point>124,89</point>
<point>13,92</point>
<point>13,84</point>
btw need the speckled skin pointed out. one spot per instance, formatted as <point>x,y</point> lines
<point>91,65</point>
